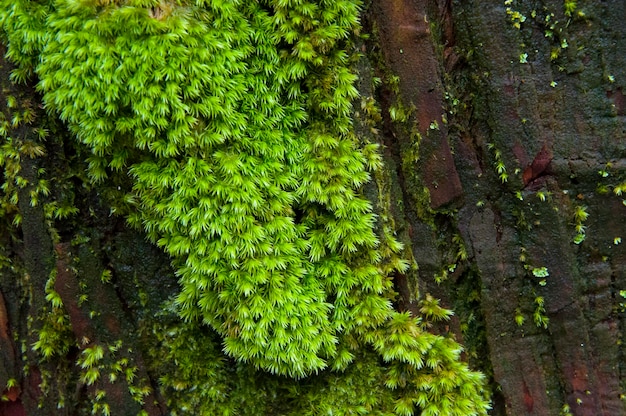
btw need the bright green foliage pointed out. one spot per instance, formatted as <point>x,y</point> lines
<point>258,204</point>
<point>220,387</point>
<point>418,370</point>
<point>233,119</point>
<point>25,30</point>
<point>56,331</point>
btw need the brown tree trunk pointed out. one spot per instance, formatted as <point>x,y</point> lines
<point>503,125</point>
<point>34,254</point>
<point>517,131</point>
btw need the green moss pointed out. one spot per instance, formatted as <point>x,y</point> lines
<point>233,120</point>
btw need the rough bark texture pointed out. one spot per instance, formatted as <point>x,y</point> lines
<point>105,314</point>
<point>538,88</point>
<point>486,92</point>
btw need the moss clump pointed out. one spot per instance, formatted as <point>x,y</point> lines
<point>233,120</point>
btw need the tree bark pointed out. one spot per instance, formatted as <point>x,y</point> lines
<point>504,141</point>
<point>518,117</point>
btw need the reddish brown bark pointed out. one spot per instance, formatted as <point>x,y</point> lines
<point>556,124</point>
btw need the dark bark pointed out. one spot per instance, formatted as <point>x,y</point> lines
<point>556,124</point>
<point>483,90</point>
<point>99,314</point>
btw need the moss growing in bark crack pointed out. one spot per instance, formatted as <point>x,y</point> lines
<point>234,121</point>
<point>55,337</point>
<point>580,216</point>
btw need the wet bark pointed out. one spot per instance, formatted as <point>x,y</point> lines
<point>70,257</point>
<point>513,123</point>
<point>531,90</point>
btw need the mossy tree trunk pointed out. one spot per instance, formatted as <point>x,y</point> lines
<point>505,162</point>
<point>517,130</point>
<point>36,264</point>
